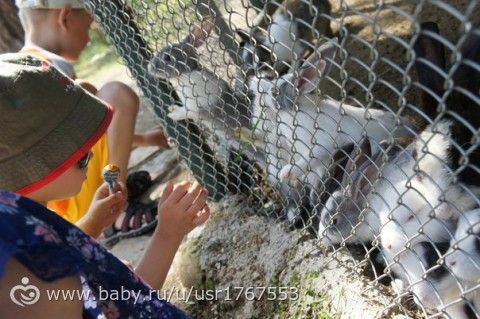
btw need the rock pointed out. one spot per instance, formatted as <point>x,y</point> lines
<point>161,164</point>
<point>141,154</point>
<point>131,249</point>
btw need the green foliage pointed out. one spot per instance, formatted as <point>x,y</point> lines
<point>309,304</point>
<point>98,55</point>
<point>163,21</point>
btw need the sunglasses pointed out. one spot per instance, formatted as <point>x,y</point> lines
<point>83,161</point>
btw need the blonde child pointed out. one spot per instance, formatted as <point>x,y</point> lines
<point>58,31</point>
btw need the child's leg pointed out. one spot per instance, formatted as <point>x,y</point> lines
<point>125,105</point>
<point>154,137</point>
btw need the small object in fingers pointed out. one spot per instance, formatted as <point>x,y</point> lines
<point>110,175</point>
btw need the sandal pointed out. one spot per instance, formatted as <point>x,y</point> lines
<point>143,215</point>
<point>144,220</point>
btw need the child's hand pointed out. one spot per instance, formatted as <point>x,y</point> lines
<point>104,208</point>
<point>181,209</point>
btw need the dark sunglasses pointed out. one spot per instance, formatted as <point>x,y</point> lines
<point>83,161</point>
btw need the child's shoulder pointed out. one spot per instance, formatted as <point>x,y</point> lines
<point>54,59</point>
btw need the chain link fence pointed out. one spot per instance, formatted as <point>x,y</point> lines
<point>355,122</point>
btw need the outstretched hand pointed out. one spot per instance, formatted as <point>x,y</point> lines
<point>182,208</point>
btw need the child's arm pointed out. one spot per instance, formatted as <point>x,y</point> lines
<point>103,211</point>
<point>181,209</point>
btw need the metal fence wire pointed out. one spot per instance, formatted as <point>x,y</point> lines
<point>359,120</point>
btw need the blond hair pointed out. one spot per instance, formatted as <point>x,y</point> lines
<point>31,18</point>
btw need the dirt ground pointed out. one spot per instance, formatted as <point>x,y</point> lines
<point>240,248</point>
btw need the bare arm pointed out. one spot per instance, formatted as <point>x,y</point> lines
<point>156,262</point>
<point>179,213</point>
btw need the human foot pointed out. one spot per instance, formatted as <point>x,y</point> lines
<point>137,220</point>
<point>154,137</point>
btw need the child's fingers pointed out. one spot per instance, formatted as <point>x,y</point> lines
<point>114,199</point>
<point>102,191</point>
<point>202,218</point>
<point>178,192</point>
<point>166,191</point>
<point>119,187</point>
<point>115,211</point>
<point>198,203</point>
<point>192,194</point>
<point>110,204</point>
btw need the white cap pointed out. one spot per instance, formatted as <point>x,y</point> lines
<point>49,4</point>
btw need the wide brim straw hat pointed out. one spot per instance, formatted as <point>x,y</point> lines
<point>49,4</point>
<point>47,123</point>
